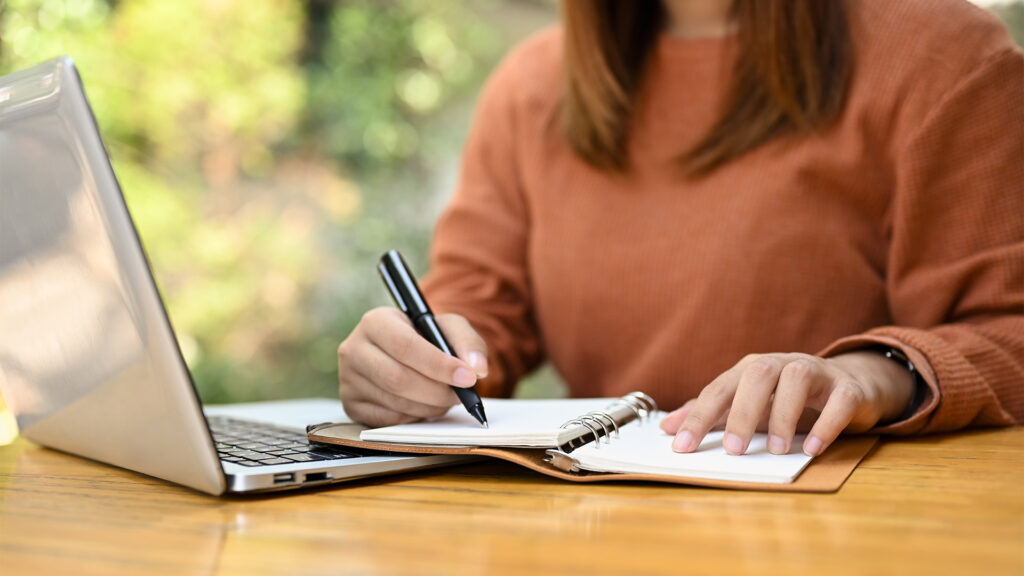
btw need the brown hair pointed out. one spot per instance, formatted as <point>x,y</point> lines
<point>790,76</point>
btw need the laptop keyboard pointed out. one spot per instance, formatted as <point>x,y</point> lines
<point>248,443</point>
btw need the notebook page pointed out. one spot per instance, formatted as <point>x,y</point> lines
<point>514,423</point>
<point>644,448</point>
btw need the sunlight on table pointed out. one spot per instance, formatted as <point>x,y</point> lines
<point>8,427</point>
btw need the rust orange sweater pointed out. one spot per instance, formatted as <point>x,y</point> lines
<point>903,224</point>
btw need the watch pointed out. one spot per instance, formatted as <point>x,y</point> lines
<point>917,393</point>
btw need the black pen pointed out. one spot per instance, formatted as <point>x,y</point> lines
<point>410,300</point>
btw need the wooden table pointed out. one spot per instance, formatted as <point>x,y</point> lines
<point>939,505</point>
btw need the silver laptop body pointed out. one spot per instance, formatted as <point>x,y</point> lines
<point>89,363</point>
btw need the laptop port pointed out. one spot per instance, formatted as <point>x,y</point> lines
<point>284,478</point>
<point>316,477</point>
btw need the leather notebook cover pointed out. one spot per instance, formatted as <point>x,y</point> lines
<point>826,473</point>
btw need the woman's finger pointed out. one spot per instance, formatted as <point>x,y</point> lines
<point>366,389</point>
<point>468,344</point>
<point>756,384</point>
<point>795,382</point>
<point>707,410</point>
<point>392,332</point>
<point>387,373</point>
<point>375,415</point>
<point>843,404</point>
<point>670,423</point>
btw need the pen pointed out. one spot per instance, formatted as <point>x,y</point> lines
<point>409,299</point>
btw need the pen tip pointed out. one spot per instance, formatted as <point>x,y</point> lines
<point>478,412</point>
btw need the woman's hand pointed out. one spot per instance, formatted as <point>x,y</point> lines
<point>852,392</point>
<point>389,374</point>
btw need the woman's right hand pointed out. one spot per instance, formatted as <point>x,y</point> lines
<point>389,374</point>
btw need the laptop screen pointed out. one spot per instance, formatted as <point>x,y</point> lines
<point>88,362</point>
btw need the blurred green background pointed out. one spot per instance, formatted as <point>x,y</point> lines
<point>270,150</point>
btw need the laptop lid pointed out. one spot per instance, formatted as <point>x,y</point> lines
<point>88,361</point>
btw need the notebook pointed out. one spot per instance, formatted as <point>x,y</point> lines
<point>511,423</point>
<point>598,439</point>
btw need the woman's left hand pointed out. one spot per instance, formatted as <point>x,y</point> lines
<point>852,392</point>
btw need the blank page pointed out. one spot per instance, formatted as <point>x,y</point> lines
<point>513,423</point>
<point>644,448</point>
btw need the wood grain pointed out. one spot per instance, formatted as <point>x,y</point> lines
<point>938,505</point>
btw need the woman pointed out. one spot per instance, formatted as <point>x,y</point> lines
<point>789,214</point>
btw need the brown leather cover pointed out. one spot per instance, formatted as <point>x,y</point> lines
<point>826,473</point>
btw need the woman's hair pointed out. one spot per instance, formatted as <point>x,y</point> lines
<point>790,76</point>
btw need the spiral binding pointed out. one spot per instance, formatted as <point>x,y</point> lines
<point>647,405</point>
<point>600,423</point>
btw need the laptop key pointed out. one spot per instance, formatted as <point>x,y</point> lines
<point>275,461</point>
<point>252,445</point>
<point>256,444</point>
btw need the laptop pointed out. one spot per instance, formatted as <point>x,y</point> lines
<point>89,362</point>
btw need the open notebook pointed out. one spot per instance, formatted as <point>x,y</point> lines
<point>513,423</point>
<point>602,439</point>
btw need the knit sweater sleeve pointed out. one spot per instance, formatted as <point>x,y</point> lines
<point>478,254</point>
<point>955,272</point>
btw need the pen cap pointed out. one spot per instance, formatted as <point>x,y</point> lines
<point>402,285</point>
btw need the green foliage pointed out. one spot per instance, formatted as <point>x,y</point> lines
<point>384,68</point>
<point>245,135</point>
<point>1012,14</point>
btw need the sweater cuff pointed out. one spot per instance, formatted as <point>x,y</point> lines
<point>919,420</point>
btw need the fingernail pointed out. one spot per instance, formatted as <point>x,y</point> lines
<point>812,446</point>
<point>776,445</point>
<point>733,444</point>
<point>463,377</point>
<point>479,363</point>
<point>683,442</point>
